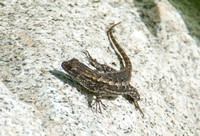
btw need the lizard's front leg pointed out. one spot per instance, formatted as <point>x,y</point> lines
<point>98,103</point>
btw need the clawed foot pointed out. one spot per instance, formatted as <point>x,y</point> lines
<point>98,104</point>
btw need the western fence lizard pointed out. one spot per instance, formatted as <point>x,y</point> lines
<point>104,81</point>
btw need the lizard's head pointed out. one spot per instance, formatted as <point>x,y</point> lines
<point>76,69</point>
<point>71,66</point>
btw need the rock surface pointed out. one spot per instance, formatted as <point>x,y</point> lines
<point>36,98</point>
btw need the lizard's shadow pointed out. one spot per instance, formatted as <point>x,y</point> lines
<point>72,82</point>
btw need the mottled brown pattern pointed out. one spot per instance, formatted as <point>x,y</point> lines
<point>105,81</point>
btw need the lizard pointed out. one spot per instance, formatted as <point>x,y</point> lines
<point>105,80</point>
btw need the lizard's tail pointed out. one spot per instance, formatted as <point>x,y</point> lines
<point>128,65</point>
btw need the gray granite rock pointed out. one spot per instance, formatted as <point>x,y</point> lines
<point>17,117</point>
<point>36,98</point>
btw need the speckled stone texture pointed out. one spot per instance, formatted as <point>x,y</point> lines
<point>37,98</point>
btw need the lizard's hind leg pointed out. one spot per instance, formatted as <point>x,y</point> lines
<point>97,65</point>
<point>136,97</point>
